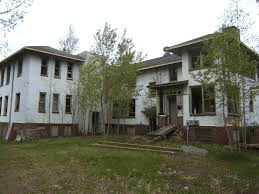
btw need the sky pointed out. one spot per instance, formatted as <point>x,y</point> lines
<point>151,24</point>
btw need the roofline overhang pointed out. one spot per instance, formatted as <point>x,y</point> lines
<point>166,85</point>
<point>160,65</point>
<point>39,51</point>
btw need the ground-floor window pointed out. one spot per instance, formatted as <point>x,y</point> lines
<point>233,101</point>
<point>124,109</point>
<point>202,100</point>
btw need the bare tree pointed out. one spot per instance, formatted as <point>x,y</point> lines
<point>11,13</point>
<point>70,42</point>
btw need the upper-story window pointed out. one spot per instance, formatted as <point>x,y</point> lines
<point>1,105</point>
<point>173,72</point>
<point>44,67</point>
<point>8,74</point>
<point>19,71</point>
<point>70,71</point>
<point>198,59</point>
<point>2,77</point>
<point>57,69</point>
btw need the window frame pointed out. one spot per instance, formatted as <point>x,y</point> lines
<point>8,75</point>
<point>70,71</point>
<point>44,67</point>
<point>42,102</point>
<point>19,67</point>
<point>68,107</point>
<point>57,70</point>
<point>5,106</point>
<point>17,102</point>
<point>55,109</point>
<point>1,101</point>
<point>124,110</point>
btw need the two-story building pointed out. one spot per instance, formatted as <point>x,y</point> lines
<point>36,92</point>
<point>169,88</point>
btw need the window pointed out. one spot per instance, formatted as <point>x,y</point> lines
<point>17,103</point>
<point>173,72</point>
<point>1,105</point>
<point>251,103</point>
<point>124,109</point>
<point>203,100</point>
<point>195,56</point>
<point>57,69</point>
<point>44,67</point>
<point>5,105</point>
<point>55,107</point>
<point>233,101</point>
<point>68,103</point>
<point>19,71</point>
<point>42,102</point>
<point>2,77</point>
<point>8,74</point>
<point>70,71</point>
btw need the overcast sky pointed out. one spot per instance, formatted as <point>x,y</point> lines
<point>152,24</point>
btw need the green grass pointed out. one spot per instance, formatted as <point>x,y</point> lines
<point>72,165</point>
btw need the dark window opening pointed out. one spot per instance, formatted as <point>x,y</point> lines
<point>70,71</point>
<point>44,67</point>
<point>68,103</point>
<point>8,74</point>
<point>173,72</point>
<point>57,69</point>
<point>5,105</point>
<point>251,103</point>
<point>17,103</point>
<point>1,105</point>
<point>42,102</point>
<point>124,110</point>
<point>196,100</point>
<point>2,77</point>
<point>209,100</point>
<point>19,71</point>
<point>55,107</point>
<point>161,102</point>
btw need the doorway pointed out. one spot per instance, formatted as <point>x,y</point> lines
<point>172,109</point>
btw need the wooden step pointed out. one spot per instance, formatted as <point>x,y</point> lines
<point>140,146</point>
<point>133,148</point>
<point>162,131</point>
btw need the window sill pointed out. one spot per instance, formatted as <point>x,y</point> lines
<point>70,79</point>
<point>43,75</point>
<point>41,112</point>
<point>55,112</point>
<point>203,114</point>
<point>129,117</point>
<point>58,77</point>
<point>68,112</point>
<point>19,75</point>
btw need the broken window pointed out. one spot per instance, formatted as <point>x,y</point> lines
<point>8,74</point>
<point>203,100</point>
<point>19,71</point>
<point>233,101</point>
<point>1,105</point>
<point>124,109</point>
<point>17,103</point>
<point>44,67</point>
<point>5,105</point>
<point>68,103</point>
<point>57,69</point>
<point>42,102</point>
<point>55,107</point>
<point>173,72</point>
<point>70,71</point>
<point>251,103</point>
<point>2,77</point>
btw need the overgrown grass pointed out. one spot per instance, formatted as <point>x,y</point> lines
<point>73,165</point>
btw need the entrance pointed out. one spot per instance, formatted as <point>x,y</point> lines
<point>172,110</point>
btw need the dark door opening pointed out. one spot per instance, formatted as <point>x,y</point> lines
<point>172,109</point>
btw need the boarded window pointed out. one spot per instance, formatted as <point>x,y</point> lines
<point>5,105</point>
<point>70,71</point>
<point>44,67</point>
<point>57,69</point>
<point>42,102</point>
<point>19,71</point>
<point>1,99</point>
<point>124,109</point>
<point>68,103</point>
<point>2,77</point>
<point>17,103</point>
<point>8,74</point>
<point>55,107</point>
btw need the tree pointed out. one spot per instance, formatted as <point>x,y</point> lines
<point>230,67</point>
<point>110,74</point>
<point>69,43</point>
<point>11,13</point>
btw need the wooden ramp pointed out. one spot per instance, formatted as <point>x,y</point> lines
<point>163,131</point>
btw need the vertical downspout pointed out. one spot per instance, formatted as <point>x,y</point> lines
<point>50,89</point>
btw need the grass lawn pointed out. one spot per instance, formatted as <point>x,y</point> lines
<point>72,165</point>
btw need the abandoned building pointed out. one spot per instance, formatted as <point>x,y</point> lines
<point>36,88</point>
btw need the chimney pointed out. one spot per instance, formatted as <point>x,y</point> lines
<point>167,53</point>
<point>233,30</point>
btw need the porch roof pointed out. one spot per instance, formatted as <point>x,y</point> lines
<point>169,84</point>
